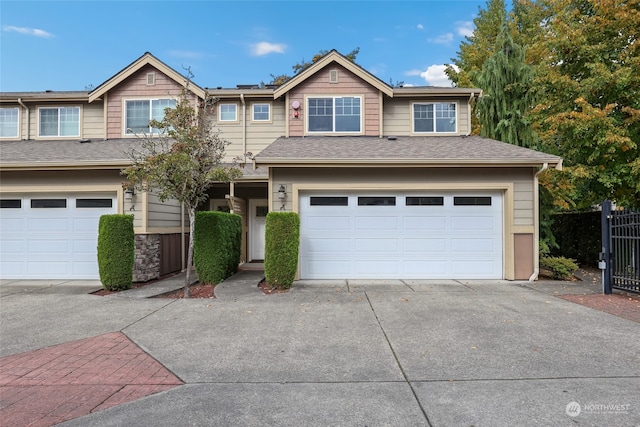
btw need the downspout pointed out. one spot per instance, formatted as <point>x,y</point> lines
<point>536,228</point>
<point>244,124</point>
<point>28,116</point>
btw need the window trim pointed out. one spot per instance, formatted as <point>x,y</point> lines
<point>253,118</point>
<point>235,120</point>
<point>361,97</point>
<point>58,107</point>
<point>18,124</point>
<point>435,132</point>
<point>125,132</point>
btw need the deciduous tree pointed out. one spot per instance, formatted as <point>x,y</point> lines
<point>182,160</point>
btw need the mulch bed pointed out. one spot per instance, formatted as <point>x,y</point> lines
<point>268,290</point>
<point>198,290</point>
<point>621,305</point>
<point>103,292</point>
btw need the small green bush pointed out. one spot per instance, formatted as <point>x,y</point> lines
<point>282,240</point>
<point>561,268</point>
<point>217,242</point>
<point>116,251</point>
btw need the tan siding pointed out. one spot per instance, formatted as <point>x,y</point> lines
<point>162,214</point>
<point>259,135</point>
<point>93,120</point>
<point>398,118</point>
<point>523,203</point>
<point>136,87</point>
<point>348,84</point>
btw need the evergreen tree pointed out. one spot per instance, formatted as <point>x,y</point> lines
<point>506,82</point>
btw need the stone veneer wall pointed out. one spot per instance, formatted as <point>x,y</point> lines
<point>147,260</point>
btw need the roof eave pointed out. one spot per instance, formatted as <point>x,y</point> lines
<point>57,165</point>
<point>274,161</point>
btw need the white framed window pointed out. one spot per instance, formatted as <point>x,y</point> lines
<point>59,121</point>
<point>139,112</point>
<point>9,122</point>
<point>436,117</point>
<point>336,114</point>
<point>228,112</point>
<point>261,112</point>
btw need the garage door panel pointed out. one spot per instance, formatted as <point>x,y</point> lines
<point>376,223</point>
<point>325,245</point>
<point>51,243</point>
<point>473,245</point>
<point>376,268</point>
<point>12,246</point>
<point>329,268</point>
<point>473,268</point>
<point>48,224</point>
<point>398,241</point>
<point>375,245</point>
<point>48,246</point>
<point>425,268</point>
<point>425,245</point>
<point>473,223</point>
<point>418,223</point>
<point>320,223</point>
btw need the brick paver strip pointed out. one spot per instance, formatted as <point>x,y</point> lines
<point>55,384</point>
<point>625,306</point>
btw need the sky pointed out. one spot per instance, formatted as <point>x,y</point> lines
<point>77,45</point>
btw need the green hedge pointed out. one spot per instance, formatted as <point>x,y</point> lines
<point>217,242</point>
<point>578,236</point>
<point>282,240</point>
<point>116,251</point>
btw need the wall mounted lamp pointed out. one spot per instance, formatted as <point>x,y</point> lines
<point>129,193</point>
<point>282,192</point>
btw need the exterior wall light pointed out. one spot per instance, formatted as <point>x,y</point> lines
<point>129,193</point>
<point>282,192</point>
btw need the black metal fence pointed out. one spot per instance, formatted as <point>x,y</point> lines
<point>620,255</point>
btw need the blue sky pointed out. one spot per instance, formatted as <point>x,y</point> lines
<point>70,45</point>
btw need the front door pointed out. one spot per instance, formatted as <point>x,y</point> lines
<point>258,214</point>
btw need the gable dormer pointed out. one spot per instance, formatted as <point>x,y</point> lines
<point>139,93</point>
<point>333,97</point>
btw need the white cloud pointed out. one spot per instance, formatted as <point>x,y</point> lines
<point>465,28</point>
<point>265,48</point>
<point>414,72</point>
<point>27,31</point>
<point>442,39</point>
<point>434,75</point>
<point>420,27</point>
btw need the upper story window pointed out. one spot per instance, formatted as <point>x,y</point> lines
<point>261,112</point>
<point>434,117</point>
<point>139,112</point>
<point>59,121</point>
<point>228,112</point>
<point>334,114</point>
<point>9,122</point>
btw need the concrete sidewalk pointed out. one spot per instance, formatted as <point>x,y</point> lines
<point>401,353</point>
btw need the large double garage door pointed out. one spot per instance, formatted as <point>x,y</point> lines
<point>439,235</point>
<point>51,236</point>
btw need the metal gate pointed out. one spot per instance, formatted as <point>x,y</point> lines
<point>620,256</point>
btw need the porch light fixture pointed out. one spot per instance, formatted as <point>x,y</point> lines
<point>129,193</point>
<point>282,192</point>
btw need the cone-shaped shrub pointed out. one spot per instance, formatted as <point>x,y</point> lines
<point>282,240</point>
<point>116,251</point>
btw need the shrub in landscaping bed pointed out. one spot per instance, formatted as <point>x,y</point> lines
<point>561,268</point>
<point>282,240</point>
<point>116,251</point>
<point>217,241</point>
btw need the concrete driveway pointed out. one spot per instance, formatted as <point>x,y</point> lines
<point>363,353</point>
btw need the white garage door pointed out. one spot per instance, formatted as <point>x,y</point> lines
<point>51,236</point>
<point>386,236</point>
